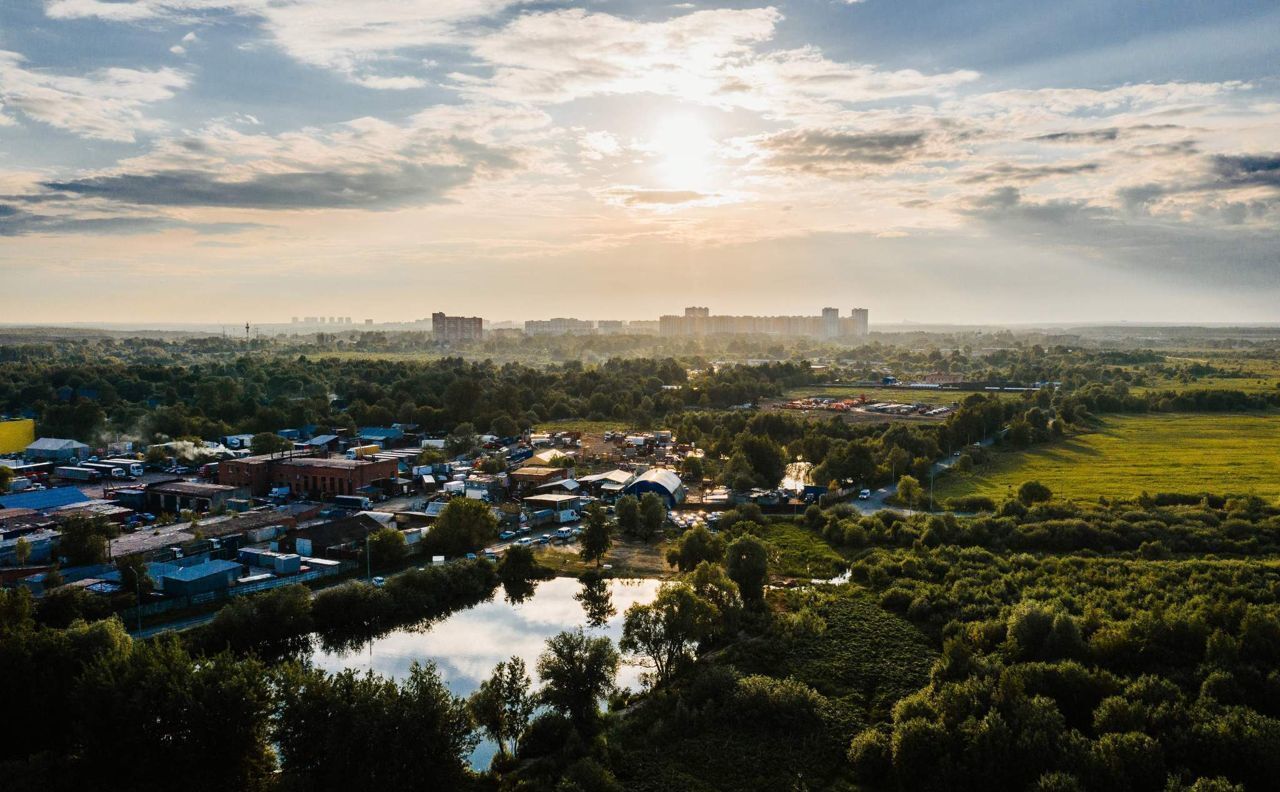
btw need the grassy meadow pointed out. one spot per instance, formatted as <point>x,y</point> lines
<point>1220,453</point>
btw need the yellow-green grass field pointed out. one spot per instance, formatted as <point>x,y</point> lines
<point>1219,453</point>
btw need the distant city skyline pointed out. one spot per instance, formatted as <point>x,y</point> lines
<point>212,161</point>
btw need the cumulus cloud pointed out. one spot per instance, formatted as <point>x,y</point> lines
<point>341,35</point>
<point>710,57</point>
<point>106,104</point>
<point>362,164</point>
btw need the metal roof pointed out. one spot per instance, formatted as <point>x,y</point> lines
<point>43,500</point>
<point>55,444</point>
<point>201,571</point>
<point>666,479</point>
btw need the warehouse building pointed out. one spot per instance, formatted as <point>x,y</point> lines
<point>177,496</point>
<point>314,478</point>
<point>661,481</point>
<point>56,449</point>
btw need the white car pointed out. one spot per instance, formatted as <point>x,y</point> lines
<point>864,495</point>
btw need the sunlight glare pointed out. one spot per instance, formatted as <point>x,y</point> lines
<point>685,151</point>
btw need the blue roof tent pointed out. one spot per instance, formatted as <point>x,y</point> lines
<point>664,482</point>
<point>44,500</point>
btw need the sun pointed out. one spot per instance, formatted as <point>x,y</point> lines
<point>685,152</point>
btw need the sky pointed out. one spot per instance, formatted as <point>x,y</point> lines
<point>981,162</point>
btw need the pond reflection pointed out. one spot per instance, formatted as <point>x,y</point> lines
<point>468,644</point>
<point>596,599</point>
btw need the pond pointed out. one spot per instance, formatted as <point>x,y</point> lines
<point>467,645</point>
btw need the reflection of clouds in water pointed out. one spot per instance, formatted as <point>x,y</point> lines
<point>467,645</point>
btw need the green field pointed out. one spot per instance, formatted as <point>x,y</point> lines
<point>1219,453</point>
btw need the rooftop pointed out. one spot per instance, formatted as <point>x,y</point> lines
<point>331,462</point>
<point>201,571</point>
<point>190,488</point>
<point>43,500</point>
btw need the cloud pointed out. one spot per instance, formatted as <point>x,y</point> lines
<point>640,197</point>
<point>323,189</point>
<point>1028,173</point>
<point>835,153</point>
<point>709,57</point>
<point>1247,170</point>
<point>340,35</point>
<point>16,221</point>
<point>106,104</point>
<point>362,164</point>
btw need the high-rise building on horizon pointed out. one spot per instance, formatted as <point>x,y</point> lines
<point>452,329</point>
<point>860,326</point>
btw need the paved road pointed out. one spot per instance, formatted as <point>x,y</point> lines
<point>878,499</point>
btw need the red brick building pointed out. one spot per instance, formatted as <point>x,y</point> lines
<point>314,478</point>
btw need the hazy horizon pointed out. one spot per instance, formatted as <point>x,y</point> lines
<point>991,163</point>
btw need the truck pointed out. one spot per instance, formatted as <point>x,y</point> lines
<point>132,466</point>
<point>360,452</point>
<point>73,473</point>
<point>353,502</point>
<point>108,470</point>
<point>567,516</point>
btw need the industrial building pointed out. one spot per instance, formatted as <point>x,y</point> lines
<point>178,496</point>
<point>661,481</point>
<point>314,478</point>
<point>56,449</point>
<point>209,577</point>
<point>454,329</point>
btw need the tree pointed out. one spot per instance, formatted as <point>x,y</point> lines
<point>653,514</point>
<point>747,562</point>
<point>1033,492</point>
<point>269,443</point>
<point>349,731</point>
<point>21,552</point>
<point>595,540</point>
<point>134,576</point>
<point>386,547</point>
<point>695,546</point>
<point>694,468</point>
<point>909,491</point>
<point>576,672</point>
<point>84,539</point>
<point>665,632</point>
<point>517,570</point>
<point>503,704</point>
<point>767,460</point>
<point>465,525</point>
<point>627,511</point>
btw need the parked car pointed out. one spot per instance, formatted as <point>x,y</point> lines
<point>379,582</point>
<point>505,535</point>
<point>864,495</point>
<point>471,556</point>
<point>544,539</point>
<point>524,541</point>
